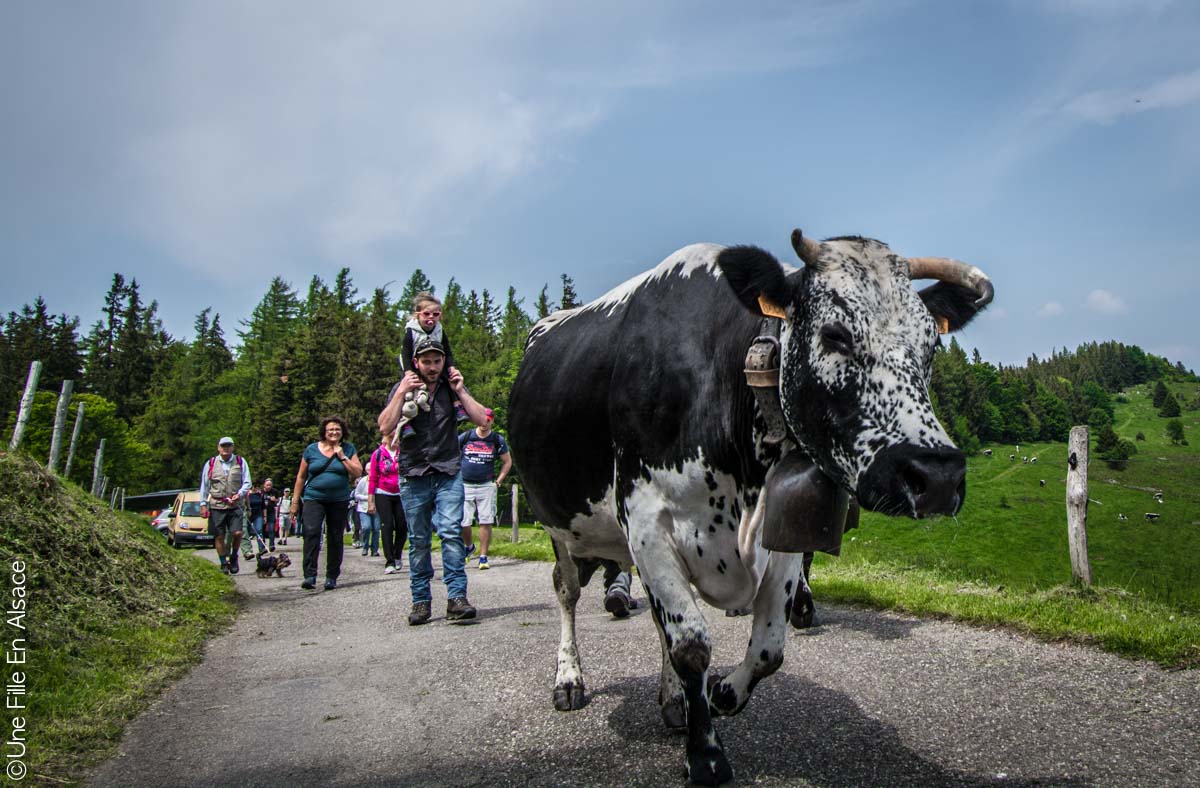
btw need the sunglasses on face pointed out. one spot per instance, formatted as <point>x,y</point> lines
<point>431,314</point>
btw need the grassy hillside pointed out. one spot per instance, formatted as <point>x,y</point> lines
<point>113,614</point>
<point>1005,556</point>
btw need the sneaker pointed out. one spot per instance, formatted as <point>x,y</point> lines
<point>407,433</point>
<point>224,568</point>
<point>470,551</point>
<point>356,544</point>
<point>233,564</point>
<point>460,413</point>
<point>420,613</point>
<point>483,564</point>
<point>309,584</point>
<point>617,602</point>
<point>389,570</point>
<point>364,552</point>
<point>330,584</point>
<point>459,609</point>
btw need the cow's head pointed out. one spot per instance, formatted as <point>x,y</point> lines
<point>857,345</point>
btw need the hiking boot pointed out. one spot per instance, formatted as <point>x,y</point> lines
<point>233,564</point>
<point>330,584</point>
<point>309,584</point>
<point>459,609</point>
<point>483,564</point>
<point>617,602</point>
<point>420,613</point>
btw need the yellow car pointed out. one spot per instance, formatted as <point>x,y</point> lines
<point>186,526</point>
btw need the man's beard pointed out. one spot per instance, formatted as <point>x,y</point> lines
<point>430,378</point>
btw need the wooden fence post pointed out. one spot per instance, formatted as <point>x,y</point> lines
<point>60,423</point>
<point>1077,501</point>
<point>35,372</point>
<point>98,468</point>
<point>74,440</point>
<point>516,531</point>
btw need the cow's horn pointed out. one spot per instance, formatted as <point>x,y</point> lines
<point>807,249</point>
<point>955,272</point>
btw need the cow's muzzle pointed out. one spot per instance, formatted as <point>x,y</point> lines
<point>915,481</point>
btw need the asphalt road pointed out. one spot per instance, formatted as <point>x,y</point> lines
<point>335,689</point>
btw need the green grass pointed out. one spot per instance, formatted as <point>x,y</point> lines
<point>1005,558</point>
<point>114,615</point>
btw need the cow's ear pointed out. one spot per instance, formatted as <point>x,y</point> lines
<point>757,279</point>
<point>952,306</point>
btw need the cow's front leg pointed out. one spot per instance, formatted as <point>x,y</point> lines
<point>568,681</point>
<point>768,635</point>
<point>685,634</point>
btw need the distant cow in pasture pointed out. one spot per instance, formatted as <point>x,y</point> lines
<point>1158,497</point>
<point>1041,482</point>
<point>1122,518</point>
<point>987,452</point>
<point>640,442</point>
<point>1032,460</point>
<point>1012,456</point>
<point>1151,516</point>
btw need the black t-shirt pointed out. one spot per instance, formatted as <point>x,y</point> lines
<point>255,501</point>
<point>435,447</point>
<point>270,503</point>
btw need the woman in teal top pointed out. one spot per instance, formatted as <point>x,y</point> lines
<point>327,473</point>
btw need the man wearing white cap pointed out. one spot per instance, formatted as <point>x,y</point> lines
<point>223,481</point>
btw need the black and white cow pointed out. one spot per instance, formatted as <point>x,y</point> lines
<point>639,442</point>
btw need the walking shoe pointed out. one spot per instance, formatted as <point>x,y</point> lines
<point>356,544</point>
<point>233,564</point>
<point>224,568</point>
<point>468,552</point>
<point>407,433</point>
<point>309,584</point>
<point>330,584</point>
<point>460,413</point>
<point>420,613</point>
<point>459,609</point>
<point>389,570</point>
<point>483,564</point>
<point>364,552</point>
<point>617,602</point>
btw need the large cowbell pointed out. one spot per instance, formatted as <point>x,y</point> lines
<point>805,510</point>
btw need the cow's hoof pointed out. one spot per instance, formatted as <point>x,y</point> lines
<point>674,713</point>
<point>709,767</point>
<point>722,698</point>
<point>804,612</point>
<point>569,697</point>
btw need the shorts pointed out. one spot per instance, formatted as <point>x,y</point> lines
<point>481,497</point>
<point>224,521</point>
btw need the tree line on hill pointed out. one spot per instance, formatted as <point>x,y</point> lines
<point>163,402</point>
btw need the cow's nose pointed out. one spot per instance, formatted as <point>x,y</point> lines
<point>915,480</point>
<point>937,483</point>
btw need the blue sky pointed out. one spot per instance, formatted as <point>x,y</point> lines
<point>205,147</point>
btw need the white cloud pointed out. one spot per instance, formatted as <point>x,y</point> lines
<point>1105,106</point>
<point>1050,309</point>
<point>1106,303</point>
<point>272,131</point>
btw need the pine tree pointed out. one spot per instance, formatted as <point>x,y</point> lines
<point>1175,432</point>
<point>417,283</point>
<point>569,299</point>
<point>542,307</point>
<point>1160,394</point>
<point>1170,407</point>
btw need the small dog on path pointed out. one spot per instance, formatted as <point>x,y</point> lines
<point>272,564</point>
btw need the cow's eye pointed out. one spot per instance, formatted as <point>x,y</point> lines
<point>837,338</point>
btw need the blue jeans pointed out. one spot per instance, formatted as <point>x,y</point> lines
<point>434,502</point>
<point>370,532</point>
